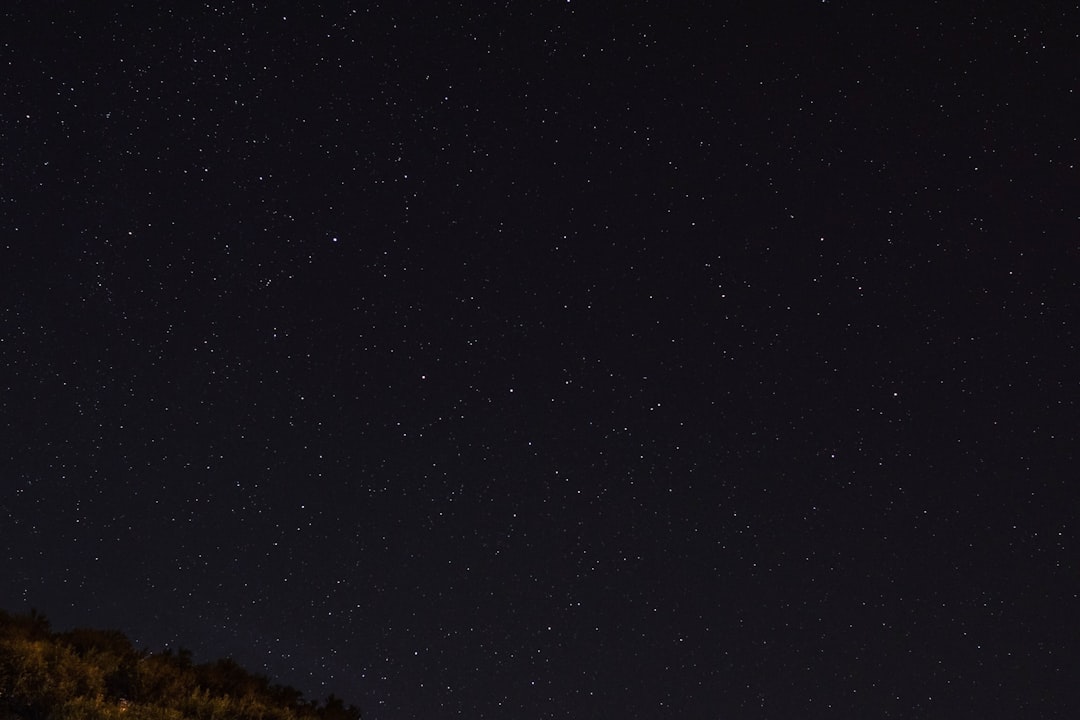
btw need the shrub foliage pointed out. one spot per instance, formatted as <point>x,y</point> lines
<point>89,674</point>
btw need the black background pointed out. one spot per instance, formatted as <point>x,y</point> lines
<point>550,359</point>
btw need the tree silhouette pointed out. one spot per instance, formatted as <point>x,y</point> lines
<point>335,709</point>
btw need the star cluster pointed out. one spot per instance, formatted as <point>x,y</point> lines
<point>541,361</point>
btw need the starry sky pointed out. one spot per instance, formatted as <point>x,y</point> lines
<point>551,359</point>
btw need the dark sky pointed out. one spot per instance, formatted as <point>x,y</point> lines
<point>551,359</point>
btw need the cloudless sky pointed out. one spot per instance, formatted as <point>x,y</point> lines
<point>550,360</point>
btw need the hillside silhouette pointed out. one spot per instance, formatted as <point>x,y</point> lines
<point>86,674</point>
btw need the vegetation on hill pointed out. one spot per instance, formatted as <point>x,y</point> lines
<point>98,675</point>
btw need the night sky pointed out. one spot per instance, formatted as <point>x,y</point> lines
<point>551,359</point>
